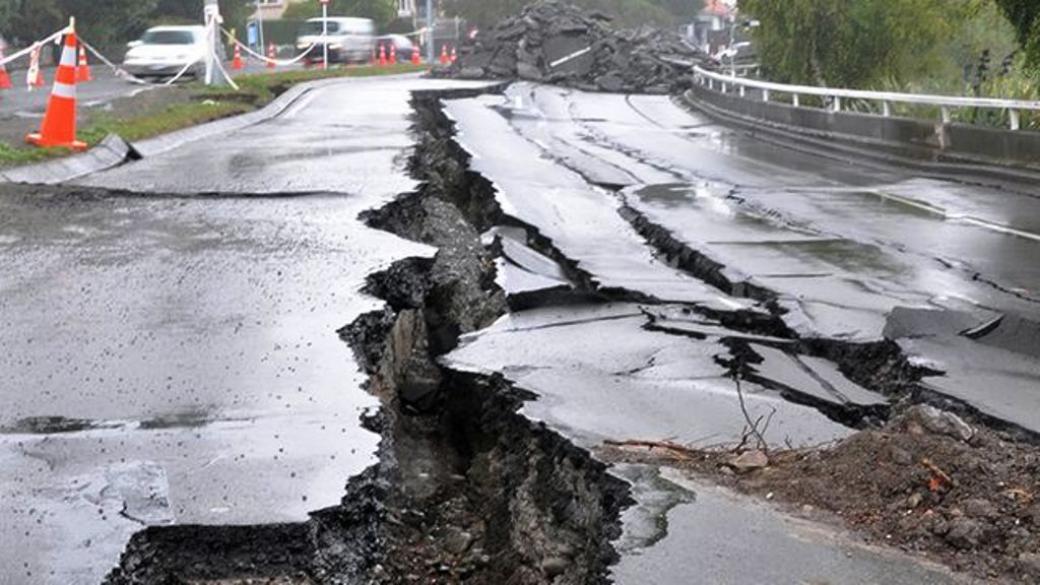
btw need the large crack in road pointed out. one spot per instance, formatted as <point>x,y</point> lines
<point>546,303</point>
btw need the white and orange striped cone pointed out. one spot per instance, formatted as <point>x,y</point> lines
<point>393,54</point>
<point>272,54</point>
<point>417,54</point>
<point>83,74</point>
<point>5,78</point>
<point>59,123</point>
<point>382,55</point>
<point>445,59</point>
<point>454,55</point>
<point>236,62</point>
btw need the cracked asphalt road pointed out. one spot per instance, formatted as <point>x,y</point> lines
<point>170,358</point>
<point>174,359</point>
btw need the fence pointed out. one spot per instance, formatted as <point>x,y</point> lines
<point>833,96</point>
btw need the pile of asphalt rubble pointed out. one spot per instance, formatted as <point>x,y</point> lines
<point>559,43</point>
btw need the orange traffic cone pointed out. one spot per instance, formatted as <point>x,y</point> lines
<point>5,79</point>
<point>237,63</point>
<point>393,54</point>
<point>83,69</point>
<point>59,123</point>
<point>272,54</point>
<point>382,55</point>
<point>416,55</point>
<point>445,59</point>
<point>454,55</point>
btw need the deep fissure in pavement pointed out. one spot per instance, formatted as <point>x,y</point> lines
<point>467,488</point>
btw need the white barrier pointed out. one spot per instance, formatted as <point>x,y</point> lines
<point>945,103</point>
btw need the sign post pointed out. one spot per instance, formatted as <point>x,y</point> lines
<point>211,16</point>
<point>325,33</point>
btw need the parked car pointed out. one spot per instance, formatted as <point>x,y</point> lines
<point>164,51</point>
<point>404,46</point>
<point>350,40</point>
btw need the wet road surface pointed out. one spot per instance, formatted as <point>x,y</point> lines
<point>171,359</point>
<point>172,352</point>
<point>849,254</point>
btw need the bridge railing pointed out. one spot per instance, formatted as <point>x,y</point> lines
<point>946,104</point>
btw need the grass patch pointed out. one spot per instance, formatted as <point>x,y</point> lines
<point>205,104</point>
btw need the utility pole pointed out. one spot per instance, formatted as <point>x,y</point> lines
<point>431,52</point>
<point>325,33</point>
<point>260,25</point>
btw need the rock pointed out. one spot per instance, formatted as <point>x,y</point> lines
<point>457,541</point>
<point>749,461</point>
<point>1030,562</point>
<point>553,566</point>
<point>472,73</point>
<point>610,82</point>
<point>964,533</point>
<point>914,500</point>
<point>898,455</point>
<point>980,508</point>
<point>528,71</point>
<point>525,46</point>
<point>940,422</point>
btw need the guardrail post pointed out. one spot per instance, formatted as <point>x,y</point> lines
<point>795,100</point>
<point>743,91</point>
<point>765,95</point>
<point>886,109</point>
<point>837,104</point>
<point>946,116</point>
<point>725,87</point>
<point>711,83</point>
<point>1016,122</point>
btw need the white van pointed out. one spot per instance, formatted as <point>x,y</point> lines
<point>350,40</point>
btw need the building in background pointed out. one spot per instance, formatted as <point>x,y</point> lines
<point>710,31</point>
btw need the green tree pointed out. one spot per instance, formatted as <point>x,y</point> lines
<point>383,12</point>
<point>485,13</point>
<point>1024,15</point>
<point>855,43</point>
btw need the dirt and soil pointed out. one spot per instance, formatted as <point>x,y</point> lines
<point>963,495</point>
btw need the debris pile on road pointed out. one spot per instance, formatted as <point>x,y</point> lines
<point>555,42</point>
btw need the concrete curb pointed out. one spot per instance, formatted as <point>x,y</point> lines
<point>111,152</point>
<point>114,151</point>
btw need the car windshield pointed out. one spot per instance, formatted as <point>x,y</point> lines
<point>314,28</point>
<point>168,37</point>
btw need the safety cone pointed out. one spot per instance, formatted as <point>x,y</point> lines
<point>272,55</point>
<point>416,55</point>
<point>5,79</point>
<point>382,55</point>
<point>59,123</point>
<point>445,59</point>
<point>83,69</point>
<point>454,55</point>
<point>393,54</point>
<point>237,63</point>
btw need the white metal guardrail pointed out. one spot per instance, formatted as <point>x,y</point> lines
<point>946,104</point>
